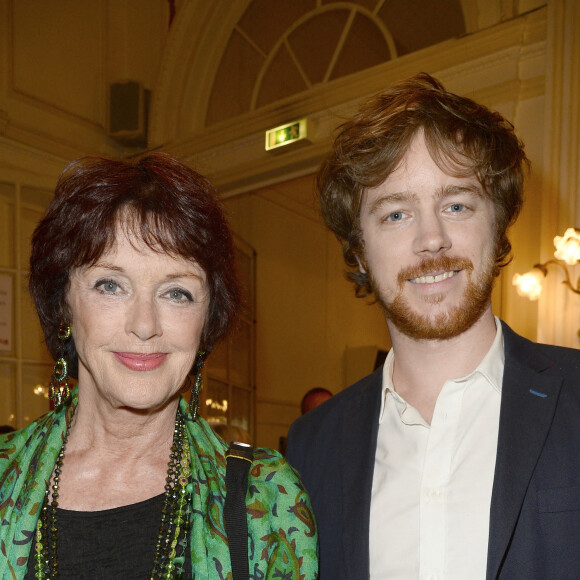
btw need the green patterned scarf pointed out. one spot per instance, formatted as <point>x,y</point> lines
<point>281,524</point>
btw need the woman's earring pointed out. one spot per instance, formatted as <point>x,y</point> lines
<point>197,386</point>
<point>59,390</point>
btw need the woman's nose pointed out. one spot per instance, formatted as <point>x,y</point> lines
<point>143,319</point>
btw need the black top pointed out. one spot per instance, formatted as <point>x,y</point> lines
<point>117,543</point>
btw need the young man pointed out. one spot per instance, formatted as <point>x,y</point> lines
<point>460,458</point>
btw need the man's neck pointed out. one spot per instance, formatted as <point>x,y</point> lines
<point>421,367</point>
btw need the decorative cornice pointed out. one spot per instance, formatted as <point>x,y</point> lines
<point>60,147</point>
<point>532,88</point>
<point>33,162</point>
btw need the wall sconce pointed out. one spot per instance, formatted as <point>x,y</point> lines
<point>567,254</point>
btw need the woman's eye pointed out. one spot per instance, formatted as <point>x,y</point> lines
<point>180,295</point>
<point>107,286</point>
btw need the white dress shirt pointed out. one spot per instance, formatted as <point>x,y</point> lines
<point>432,484</point>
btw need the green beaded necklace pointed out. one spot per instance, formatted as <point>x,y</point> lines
<point>173,531</point>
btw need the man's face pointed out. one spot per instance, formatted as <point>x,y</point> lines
<point>429,247</point>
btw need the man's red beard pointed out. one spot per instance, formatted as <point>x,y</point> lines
<point>448,324</point>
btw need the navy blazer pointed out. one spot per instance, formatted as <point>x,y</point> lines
<point>535,506</point>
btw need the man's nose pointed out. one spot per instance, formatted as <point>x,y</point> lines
<point>432,236</point>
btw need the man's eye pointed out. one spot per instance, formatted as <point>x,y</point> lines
<point>457,207</point>
<point>395,216</point>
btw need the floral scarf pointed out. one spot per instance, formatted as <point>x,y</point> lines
<point>283,537</point>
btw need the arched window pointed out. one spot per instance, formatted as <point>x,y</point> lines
<point>280,48</point>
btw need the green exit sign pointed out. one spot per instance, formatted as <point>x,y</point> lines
<point>294,132</point>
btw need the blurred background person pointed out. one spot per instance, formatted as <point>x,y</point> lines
<point>313,398</point>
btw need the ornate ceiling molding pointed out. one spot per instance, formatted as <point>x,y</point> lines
<point>492,65</point>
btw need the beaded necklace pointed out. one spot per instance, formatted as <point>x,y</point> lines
<point>174,530</point>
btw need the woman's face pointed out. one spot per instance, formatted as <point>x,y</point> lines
<point>137,318</point>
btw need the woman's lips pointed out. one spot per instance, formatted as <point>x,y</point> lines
<point>141,362</point>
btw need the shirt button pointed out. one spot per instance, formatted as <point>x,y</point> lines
<point>433,492</point>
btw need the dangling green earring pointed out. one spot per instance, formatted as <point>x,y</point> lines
<point>59,390</point>
<point>197,386</point>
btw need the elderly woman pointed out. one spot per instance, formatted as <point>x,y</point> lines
<point>132,275</point>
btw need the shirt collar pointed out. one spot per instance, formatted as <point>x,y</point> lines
<point>491,368</point>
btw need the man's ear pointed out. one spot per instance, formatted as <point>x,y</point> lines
<point>362,265</point>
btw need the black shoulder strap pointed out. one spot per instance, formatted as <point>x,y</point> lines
<point>239,459</point>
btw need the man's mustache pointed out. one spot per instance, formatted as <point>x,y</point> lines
<point>433,265</point>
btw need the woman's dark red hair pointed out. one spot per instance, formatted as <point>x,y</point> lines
<point>168,205</point>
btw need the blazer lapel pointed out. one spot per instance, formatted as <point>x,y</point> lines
<point>527,409</point>
<point>359,441</point>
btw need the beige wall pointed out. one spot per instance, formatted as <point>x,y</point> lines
<point>58,60</point>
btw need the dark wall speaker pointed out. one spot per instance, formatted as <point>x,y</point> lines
<point>128,112</point>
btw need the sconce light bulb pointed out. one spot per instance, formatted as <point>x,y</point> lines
<point>40,390</point>
<point>529,284</point>
<point>568,247</point>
